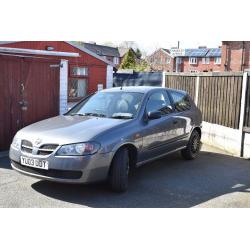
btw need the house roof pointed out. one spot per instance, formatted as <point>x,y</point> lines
<point>196,52</point>
<point>202,52</point>
<point>37,52</point>
<point>76,46</point>
<point>166,50</point>
<point>214,52</point>
<point>102,50</point>
<point>90,52</point>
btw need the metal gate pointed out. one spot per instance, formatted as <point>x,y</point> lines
<point>29,92</point>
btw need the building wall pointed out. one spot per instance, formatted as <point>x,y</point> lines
<point>97,68</point>
<point>187,67</point>
<point>158,61</point>
<point>235,55</point>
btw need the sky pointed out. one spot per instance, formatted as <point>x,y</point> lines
<point>150,46</point>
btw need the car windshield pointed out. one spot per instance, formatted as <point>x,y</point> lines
<point>116,105</point>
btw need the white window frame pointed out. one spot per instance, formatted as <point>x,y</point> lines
<point>205,60</point>
<point>116,60</point>
<point>79,71</point>
<point>179,60</point>
<point>193,60</point>
<point>168,60</point>
<point>217,60</point>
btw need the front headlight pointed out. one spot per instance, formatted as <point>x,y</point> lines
<point>16,143</point>
<point>78,149</point>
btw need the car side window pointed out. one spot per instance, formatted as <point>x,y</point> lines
<point>181,101</point>
<point>159,101</point>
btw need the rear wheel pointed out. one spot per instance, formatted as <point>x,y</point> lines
<point>193,148</point>
<point>119,171</point>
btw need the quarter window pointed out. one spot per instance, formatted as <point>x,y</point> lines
<point>181,101</point>
<point>159,102</point>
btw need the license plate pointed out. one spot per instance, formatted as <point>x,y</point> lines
<point>34,163</point>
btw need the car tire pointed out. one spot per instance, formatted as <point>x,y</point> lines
<point>193,147</point>
<point>119,171</point>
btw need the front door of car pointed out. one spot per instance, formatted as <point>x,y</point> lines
<point>158,134</point>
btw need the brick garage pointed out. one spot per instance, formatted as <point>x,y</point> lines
<point>85,73</point>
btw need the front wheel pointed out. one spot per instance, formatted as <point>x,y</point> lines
<point>193,148</point>
<point>118,177</point>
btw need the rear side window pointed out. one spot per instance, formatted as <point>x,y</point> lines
<point>159,101</point>
<point>181,101</point>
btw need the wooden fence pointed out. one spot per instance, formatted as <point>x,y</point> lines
<point>182,82</point>
<point>218,95</point>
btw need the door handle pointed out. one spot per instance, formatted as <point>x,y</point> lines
<point>22,88</point>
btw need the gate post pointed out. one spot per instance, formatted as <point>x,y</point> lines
<point>197,86</point>
<point>242,111</point>
<point>164,79</point>
<point>63,96</point>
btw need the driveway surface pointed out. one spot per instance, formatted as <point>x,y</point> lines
<point>213,180</point>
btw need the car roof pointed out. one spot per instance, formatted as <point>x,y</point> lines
<point>138,89</point>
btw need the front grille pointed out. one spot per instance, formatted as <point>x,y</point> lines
<point>54,173</point>
<point>26,146</point>
<point>46,149</point>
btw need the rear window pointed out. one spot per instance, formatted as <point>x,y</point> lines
<point>181,101</point>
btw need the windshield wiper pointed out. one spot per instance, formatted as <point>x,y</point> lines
<point>88,114</point>
<point>74,114</point>
<point>122,117</point>
<point>95,114</point>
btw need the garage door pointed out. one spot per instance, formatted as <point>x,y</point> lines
<point>29,92</point>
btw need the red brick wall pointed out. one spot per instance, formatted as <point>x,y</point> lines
<point>199,66</point>
<point>158,61</point>
<point>235,55</point>
<point>97,68</point>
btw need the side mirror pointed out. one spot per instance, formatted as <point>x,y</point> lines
<point>154,115</point>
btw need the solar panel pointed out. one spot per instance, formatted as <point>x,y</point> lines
<point>196,52</point>
<point>214,52</point>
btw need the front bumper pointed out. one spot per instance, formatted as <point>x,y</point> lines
<point>65,169</point>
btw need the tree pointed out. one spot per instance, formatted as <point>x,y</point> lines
<point>138,53</point>
<point>129,61</point>
<point>142,65</point>
<point>128,44</point>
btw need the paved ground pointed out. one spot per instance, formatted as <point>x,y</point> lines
<point>213,180</point>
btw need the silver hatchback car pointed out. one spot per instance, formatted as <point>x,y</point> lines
<point>107,134</point>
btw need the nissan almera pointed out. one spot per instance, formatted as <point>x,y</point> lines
<point>107,134</point>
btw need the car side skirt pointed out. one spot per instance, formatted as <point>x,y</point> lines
<point>158,157</point>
